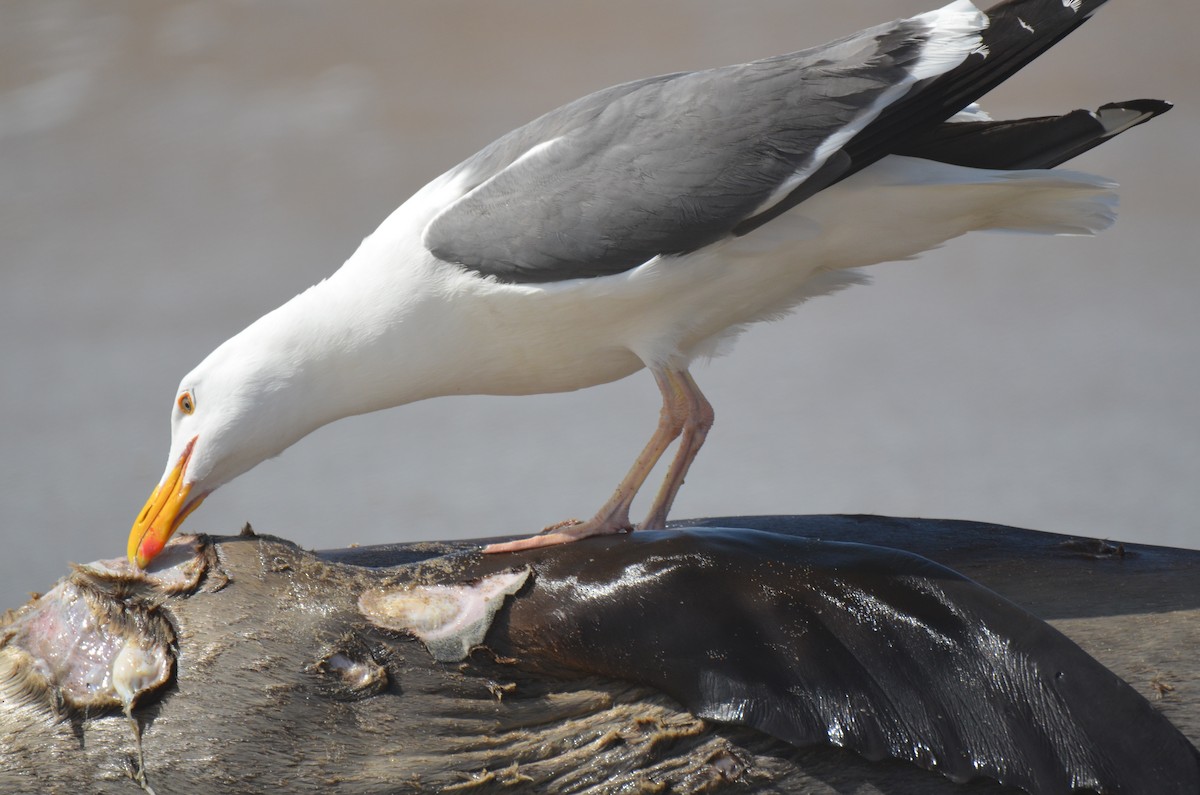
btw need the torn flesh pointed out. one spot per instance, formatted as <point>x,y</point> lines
<point>98,640</point>
<point>449,619</point>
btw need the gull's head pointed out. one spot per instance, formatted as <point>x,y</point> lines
<point>238,408</point>
<point>336,350</point>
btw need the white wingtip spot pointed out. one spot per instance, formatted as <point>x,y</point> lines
<point>1026,25</point>
<point>1117,120</point>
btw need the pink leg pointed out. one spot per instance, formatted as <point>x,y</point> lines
<point>613,516</point>
<point>699,413</point>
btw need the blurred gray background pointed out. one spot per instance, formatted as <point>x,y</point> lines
<point>169,171</point>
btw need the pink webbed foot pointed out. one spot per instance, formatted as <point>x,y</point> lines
<point>685,415</point>
<point>561,533</point>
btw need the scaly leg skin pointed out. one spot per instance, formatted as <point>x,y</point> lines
<point>681,399</point>
<point>695,430</point>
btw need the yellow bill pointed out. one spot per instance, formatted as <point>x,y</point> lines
<point>166,509</point>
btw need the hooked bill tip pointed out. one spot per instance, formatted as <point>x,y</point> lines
<point>150,548</point>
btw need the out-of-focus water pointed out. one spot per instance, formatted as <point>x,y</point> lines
<point>169,171</point>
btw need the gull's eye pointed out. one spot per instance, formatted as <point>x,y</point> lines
<point>186,403</point>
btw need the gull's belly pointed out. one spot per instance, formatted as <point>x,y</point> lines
<point>574,335</point>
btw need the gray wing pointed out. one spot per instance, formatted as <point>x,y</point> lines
<point>661,166</point>
<point>668,165</point>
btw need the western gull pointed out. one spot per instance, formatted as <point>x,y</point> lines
<point>644,225</point>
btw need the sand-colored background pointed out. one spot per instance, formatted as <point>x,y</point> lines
<point>169,171</point>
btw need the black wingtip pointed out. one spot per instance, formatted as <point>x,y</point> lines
<point>1117,117</point>
<point>1018,31</point>
<point>1151,107</point>
<point>1041,142</point>
<point>1084,8</point>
